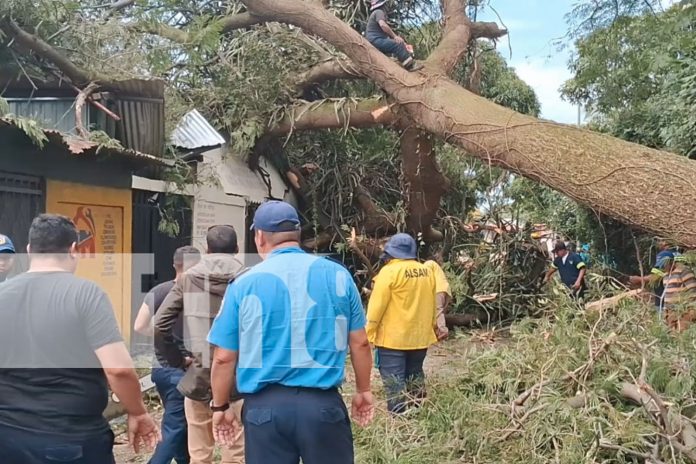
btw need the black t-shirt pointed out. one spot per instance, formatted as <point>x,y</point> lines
<point>154,300</point>
<point>50,378</point>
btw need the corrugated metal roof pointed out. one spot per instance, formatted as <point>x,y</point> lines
<point>79,146</point>
<point>194,131</point>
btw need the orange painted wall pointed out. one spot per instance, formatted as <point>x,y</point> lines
<point>103,217</point>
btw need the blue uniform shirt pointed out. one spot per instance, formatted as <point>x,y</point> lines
<point>289,318</point>
<point>570,270</point>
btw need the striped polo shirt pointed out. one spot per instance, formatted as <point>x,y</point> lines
<point>680,286</point>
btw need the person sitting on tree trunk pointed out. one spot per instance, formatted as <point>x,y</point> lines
<point>384,39</point>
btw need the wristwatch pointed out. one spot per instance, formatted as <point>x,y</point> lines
<point>221,408</point>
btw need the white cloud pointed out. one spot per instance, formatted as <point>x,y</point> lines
<point>546,79</point>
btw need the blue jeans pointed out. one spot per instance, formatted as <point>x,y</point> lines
<point>284,424</point>
<point>402,376</point>
<point>19,446</point>
<point>391,47</point>
<point>174,444</point>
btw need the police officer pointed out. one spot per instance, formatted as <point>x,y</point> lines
<point>285,328</point>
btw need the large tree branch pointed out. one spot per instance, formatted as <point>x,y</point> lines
<point>327,71</point>
<point>604,173</point>
<point>457,32</point>
<point>334,114</point>
<point>28,41</point>
<point>225,24</point>
<point>487,30</point>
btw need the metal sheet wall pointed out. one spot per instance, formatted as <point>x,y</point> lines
<point>142,124</point>
<point>51,113</point>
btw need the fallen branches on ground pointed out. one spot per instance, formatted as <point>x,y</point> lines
<point>575,387</point>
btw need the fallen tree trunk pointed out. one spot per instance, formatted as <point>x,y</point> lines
<point>614,177</point>
<point>609,302</point>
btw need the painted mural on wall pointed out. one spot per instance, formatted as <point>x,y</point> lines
<point>103,220</point>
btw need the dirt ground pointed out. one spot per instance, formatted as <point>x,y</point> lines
<point>443,359</point>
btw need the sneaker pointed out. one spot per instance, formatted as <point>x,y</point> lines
<point>414,66</point>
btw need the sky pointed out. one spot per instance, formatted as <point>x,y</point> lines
<point>534,25</point>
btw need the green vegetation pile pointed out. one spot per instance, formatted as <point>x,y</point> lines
<point>615,386</point>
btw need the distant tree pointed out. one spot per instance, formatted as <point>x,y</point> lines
<point>637,77</point>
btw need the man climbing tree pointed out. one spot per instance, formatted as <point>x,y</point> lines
<point>385,39</point>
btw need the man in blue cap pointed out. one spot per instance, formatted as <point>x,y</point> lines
<point>401,321</point>
<point>283,334</point>
<point>7,253</point>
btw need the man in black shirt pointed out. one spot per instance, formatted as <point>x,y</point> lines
<point>59,347</point>
<point>166,378</point>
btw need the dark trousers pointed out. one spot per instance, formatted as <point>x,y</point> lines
<point>284,424</point>
<point>403,377</point>
<point>391,47</point>
<point>18,446</point>
<point>174,443</point>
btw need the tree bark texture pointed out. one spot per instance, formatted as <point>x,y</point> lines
<point>333,114</point>
<point>425,184</point>
<point>651,189</point>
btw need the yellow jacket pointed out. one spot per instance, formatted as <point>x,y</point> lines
<point>401,312</point>
<point>441,283</point>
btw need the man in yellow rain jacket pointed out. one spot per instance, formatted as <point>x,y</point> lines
<point>401,321</point>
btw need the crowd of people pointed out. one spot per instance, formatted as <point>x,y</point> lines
<point>249,360</point>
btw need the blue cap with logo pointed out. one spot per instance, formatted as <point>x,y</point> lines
<point>6,245</point>
<point>401,246</point>
<point>276,216</point>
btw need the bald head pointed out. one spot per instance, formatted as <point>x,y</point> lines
<point>222,239</point>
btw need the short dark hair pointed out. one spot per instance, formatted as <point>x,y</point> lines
<point>222,239</point>
<point>186,256</point>
<point>560,245</point>
<point>52,233</point>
